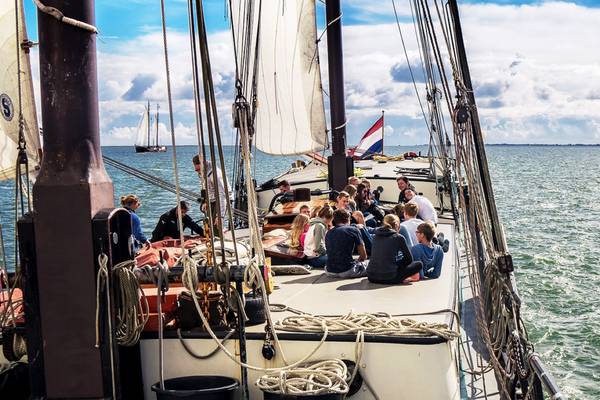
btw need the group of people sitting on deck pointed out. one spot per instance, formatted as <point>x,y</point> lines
<point>168,224</point>
<point>354,238</point>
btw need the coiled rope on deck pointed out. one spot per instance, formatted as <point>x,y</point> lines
<point>328,376</point>
<point>369,323</point>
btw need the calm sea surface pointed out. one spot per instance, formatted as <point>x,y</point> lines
<point>549,202</point>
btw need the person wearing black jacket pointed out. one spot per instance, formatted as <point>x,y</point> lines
<point>168,227</point>
<point>391,261</point>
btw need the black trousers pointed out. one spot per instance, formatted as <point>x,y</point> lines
<point>402,273</point>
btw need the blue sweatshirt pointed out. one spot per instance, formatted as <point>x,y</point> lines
<point>136,227</point>
<point>431,257</point>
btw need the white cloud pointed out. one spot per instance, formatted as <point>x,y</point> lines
<point>535,76</point>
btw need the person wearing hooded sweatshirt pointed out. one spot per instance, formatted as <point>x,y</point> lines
<point>314,241</point>
<point>431,255</point>
<point>391,260</point>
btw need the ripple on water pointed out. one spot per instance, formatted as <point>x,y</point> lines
<point>547,198</point>
<point>551,215</point>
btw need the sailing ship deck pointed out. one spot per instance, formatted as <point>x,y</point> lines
<point>321,295</point>
<point>416,366</point>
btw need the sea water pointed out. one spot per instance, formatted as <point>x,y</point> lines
<point>548,200</point>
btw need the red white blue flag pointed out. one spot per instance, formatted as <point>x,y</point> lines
<point>371,143</point>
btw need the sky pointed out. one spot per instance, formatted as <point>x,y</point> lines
<point>535,68</point>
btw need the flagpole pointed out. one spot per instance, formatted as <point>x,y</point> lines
<point>382,129</point>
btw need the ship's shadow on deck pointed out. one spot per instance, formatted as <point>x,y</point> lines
<point>469,324</point>
<point>354,284</point>
<point>364,284</point>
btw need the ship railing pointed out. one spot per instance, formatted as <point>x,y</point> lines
<point>545,378</point>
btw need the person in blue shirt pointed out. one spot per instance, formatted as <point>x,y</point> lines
<point>131,203</point>
<point>340,242</point>
<point>431,255</point>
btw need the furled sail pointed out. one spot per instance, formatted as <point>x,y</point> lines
<point>289,113</point>
<point>12,58</point>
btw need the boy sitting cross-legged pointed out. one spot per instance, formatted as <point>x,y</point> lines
<point>340,242</point>
<point>431,255</point>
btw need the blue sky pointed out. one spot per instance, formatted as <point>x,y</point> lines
<point>534,66</point>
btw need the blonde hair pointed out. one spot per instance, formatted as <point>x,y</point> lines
<point>391,221</point>
<point>129,200</point>
<point>411,209</point>
<point>315,211</point>
<point>351,190</point>
<point>343,194</point>
<point>325,212</point>
<point>298,225</point>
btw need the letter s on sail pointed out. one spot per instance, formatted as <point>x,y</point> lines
<point>6,107</point>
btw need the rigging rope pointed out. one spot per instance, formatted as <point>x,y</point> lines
<point>497,307</point>
<point>131,304</point>
<point>56,13</point>
<point>102,283</point>
<point>163,184</point>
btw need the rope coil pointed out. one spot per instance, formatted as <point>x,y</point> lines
<point>329,376</point>
<point>368,323</point>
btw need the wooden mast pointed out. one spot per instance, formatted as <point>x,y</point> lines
<point>382,130</point>
<point>72,186</point>
<point>340,166</point>
<point>148,124</point>
<point>157,145</point>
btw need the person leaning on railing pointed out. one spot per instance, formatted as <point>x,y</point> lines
<point>131,203</point>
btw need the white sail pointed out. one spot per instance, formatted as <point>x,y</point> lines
<point>11,60</point>
<point>290,114</point>
<point>143,126</point>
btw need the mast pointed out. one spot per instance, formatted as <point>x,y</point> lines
<point>157,106</point>
<point>382,130</point>
<point>340,166</point>
<point>497,232</point>
<point>148,126</point>
<point>72,186</point>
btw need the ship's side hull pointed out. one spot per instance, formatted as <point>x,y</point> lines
<point>150,149</point>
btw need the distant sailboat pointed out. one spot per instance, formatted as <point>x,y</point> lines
<point>142,144</point>
<point>16,93</point>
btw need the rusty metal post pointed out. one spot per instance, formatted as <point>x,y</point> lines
<point>71,187</point>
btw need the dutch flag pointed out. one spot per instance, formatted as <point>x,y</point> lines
<point>371,143</point>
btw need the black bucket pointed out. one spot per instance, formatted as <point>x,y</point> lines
<point>200,387</point>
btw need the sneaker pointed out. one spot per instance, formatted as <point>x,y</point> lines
<point>446,245</point>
